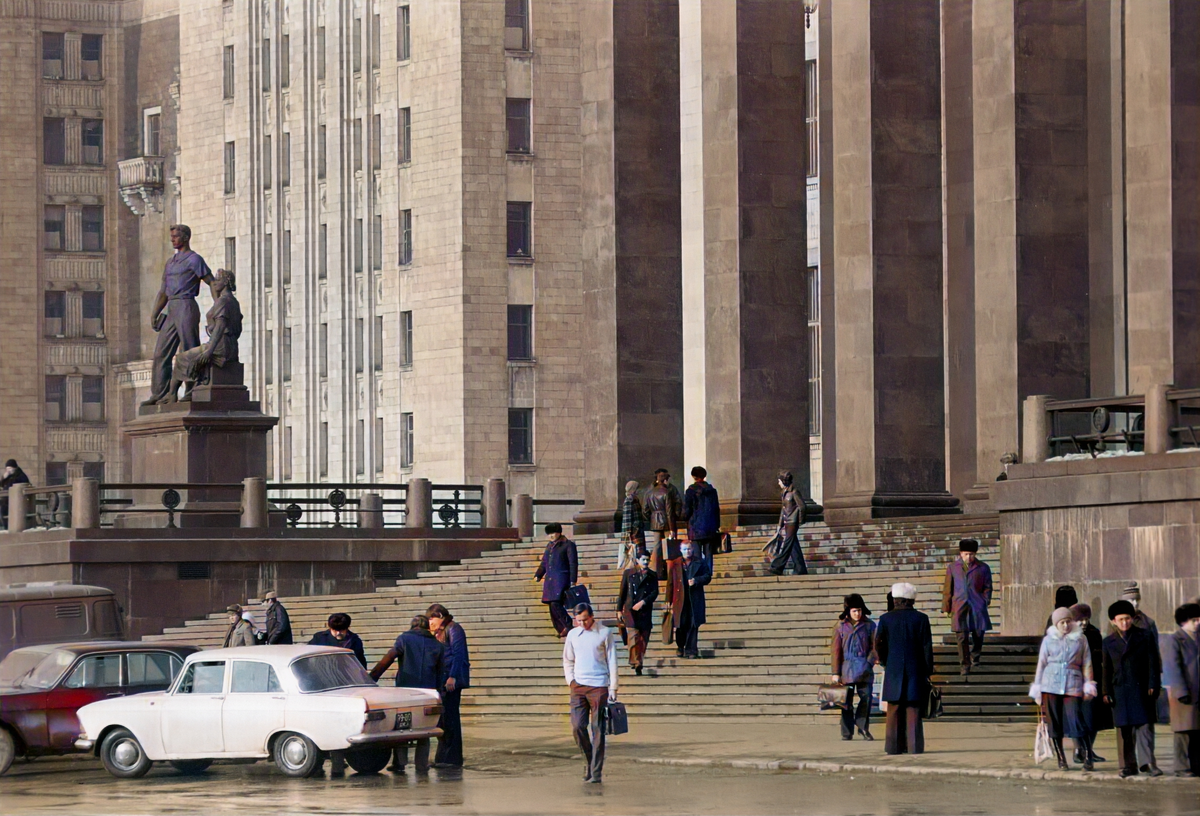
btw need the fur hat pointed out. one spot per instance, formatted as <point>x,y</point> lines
<point>1121,607</point>
<point>1065,596</point>
<point>1131,593</point>
<point>1186,612</point>
<point>853,601</point>
<point>1081,611</point>
<point>904,589</point>
<point>968,545</point>
<point>1060,614</point>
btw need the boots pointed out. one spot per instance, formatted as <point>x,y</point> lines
<point>1059,753</point>
<point>1083,747</point>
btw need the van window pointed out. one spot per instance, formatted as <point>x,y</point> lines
<point>50,621</point>
<point>105,621</point>
<point>203,678</point>
<point>151,668</point>
<point>96,671</point>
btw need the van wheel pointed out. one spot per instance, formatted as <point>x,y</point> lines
<point>8,750</point>
<point>298,756</point>
<point>369,760</point>
<point>123,756</point>
<point>191,766</point>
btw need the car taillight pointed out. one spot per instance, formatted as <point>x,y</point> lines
<point>375,716</point>
<point>433,709</point>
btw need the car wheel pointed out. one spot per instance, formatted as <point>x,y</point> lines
<point>191,766</point>
<point>369,760</point>
<point>297,755</point>
<point>8,750</point>
<point>123,756</point>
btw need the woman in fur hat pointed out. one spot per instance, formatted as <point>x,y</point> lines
<point>853,659</point>
<point>1063,682</point>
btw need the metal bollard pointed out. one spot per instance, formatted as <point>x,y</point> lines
<point>370,511</point>
<point>85,504</point>
<point>522,511</point>
<point>418,504</point>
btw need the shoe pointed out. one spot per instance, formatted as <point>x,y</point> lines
<point>1127,772</point>
<point>964,671</point>
<point>587,777</point>
<point>396,768</point>
<point>1153,770</point>
<point>1096,757</point>
<point>1078,757</point>
<point>637,670</point>
<point>691,655</point>
<point>1060,754</point>
<point>1185,775</point>
<point>775,572</point>
<point>847,737</point>
<point>595,780</point>
<point>679,652</point>
<point>866,735</point>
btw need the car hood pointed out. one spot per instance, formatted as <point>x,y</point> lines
<point>12,693</point>
<point>388,697</point>
<point>127,701</point>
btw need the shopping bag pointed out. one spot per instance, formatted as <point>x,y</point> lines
<point>1042,749</point>
<point>668,627</point>
<point>576,595</point>
<point>616,718</point>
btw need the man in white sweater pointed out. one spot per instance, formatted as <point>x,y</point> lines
<point>590,665</point>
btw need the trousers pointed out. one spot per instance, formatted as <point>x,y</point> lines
<point>1187,751</point>
<point>905,731</point>
<point>400,756</point>
<point>1135,746</point>
<point>859,714</point>
<point>970,646</point>
<point>790,550</point>
<point>587,708</point>
<point>450,745</point>
<point>708,547</point>
<point>182,328</point>
<point>559,617</point>
<point>638,640</point>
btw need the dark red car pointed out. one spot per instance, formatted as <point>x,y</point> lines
<point>41,688</point>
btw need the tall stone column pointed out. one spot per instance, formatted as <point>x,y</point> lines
<point>1032,321</point>
<point>1162,164</point>
<point>745,294</point>
<point>632,346</point>
<point>887,259</point>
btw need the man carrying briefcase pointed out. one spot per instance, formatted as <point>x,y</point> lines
<point>590,667</point>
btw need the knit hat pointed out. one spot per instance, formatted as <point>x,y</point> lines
<point>1060,614</point>
<point>968,545</point>
<point>904,589</point>
<point>853,601</point>
<point>1186,612</point>
<point>1081,611</point>
<point>1121,607</point>
<point>1065,596</point>
<point>1131,593</point>
<point>11,463</point>
<point>630,487</point>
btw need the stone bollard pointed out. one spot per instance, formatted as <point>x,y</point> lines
<point>418,504</point>
<point>254,502</point>
<point>16,508</point>
<point>522,511</point>
<point>495,504</point>
<point>85,504</point>
<point>370,511</point>
<point>1035,446</point>
<point>1158,420</point>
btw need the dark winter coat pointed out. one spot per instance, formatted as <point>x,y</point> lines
<point>636,587</point>
<point>681,571</point>
<point>352,642</point>
<point>1131,669</point>
<point>702,509</point>
<point>1101,714</point>
<point>16,477</point>
<point>904,646</point>
<point>852,650</point>
<point>559,569</point>
<point>966,595</point>
<point>279,625</point>
<point>458,659</point>
<point>422,659</point>
<point>1183,668</point>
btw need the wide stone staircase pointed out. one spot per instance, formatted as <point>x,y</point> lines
<point>766,643</point>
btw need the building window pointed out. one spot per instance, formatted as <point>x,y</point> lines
<point>321,152</point>
<point>516,25</point>
<point>320,55</point>
<point>405,146</point>
<point>375,26</point>
<point>814,351</point>
<point>285,363</point>
<point>406,441</point>
<point>285,265</point>
<point>520,436</point>
<point>93,229</point>
<point>406,237</point>
<point>227,84</point>
<point>360,448</point>
<point>520,232</point>
<point>322,252</point>
<point>269,359</point>
<point>358,245</point>
<point>266,65</point>
<point>93,314</point>
<point>376,142</point>
<point>92,136</point>
<point>323,449</point>
<point>55,313</point>
<point>93,399</point>
<point>54,141</point>
<point>52,55</point>
<point>56,398</point>
<point>406,339</point>
<point>810,116</point>
<point>287,452</point>
<point>520,332</point>
<point>285,160</point>
<point>403,34</point>
<point>323,351</point>
<point>56,473</point>
<point>230,169</point>
<point>356,54</point>
<point>519,138</point>
<point>378,444</point>
<point>377,344</point>
<point>152,132</point>
<point>93,470</point>
<point>91,49</point>
<point>266,162</point>
<point>231,254</point>
<point>358,345</point>
<point>268,261</point>
<point>54,227</point>
<point>377,243</point>
<point>285,61</point>
<point>358,145</point>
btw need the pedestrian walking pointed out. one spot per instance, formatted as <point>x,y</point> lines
<point>240,632</point>
<point>702,511</point>
<point>966,595</point>
<point>639,589</point>
<point>13,475</point>
<point>689,575</point>
<point>633,527</point>
<point>1064,597</point>
<point>1132,681</point>
<point>662,511</point>
<point>558,572</point>
<point>338,634</point>
<point>279,625</point>
<point>791,516</point>
<point>590,666</point>
<point>422,665</point>
<point>1062,682</point>
<point>1095,716</point>
<point>458,668</point>
<point>904,646</point>
<point>852,650</point>
<point>1183,667</point>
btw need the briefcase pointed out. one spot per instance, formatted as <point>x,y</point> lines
<point>575,595</point>
<point>933,704</point>
<point>726,543</point>
<point>833,695</point>
<point>616,719</point>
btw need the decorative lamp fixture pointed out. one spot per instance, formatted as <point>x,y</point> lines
<point>810,8</point>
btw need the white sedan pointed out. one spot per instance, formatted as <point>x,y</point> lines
<point>293,704</point>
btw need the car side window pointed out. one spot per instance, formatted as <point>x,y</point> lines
<point>151,668</point>
<point>251,677</point>
<point>96,671</point>
<point>203,678</point>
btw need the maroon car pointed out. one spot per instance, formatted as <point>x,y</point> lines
<point>41,688</point>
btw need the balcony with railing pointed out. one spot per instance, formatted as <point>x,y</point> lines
<point>141,183</point>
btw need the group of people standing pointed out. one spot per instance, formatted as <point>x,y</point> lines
<point>277,628</point>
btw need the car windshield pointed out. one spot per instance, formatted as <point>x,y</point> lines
<point>34,668</point>
<point>330,671</point>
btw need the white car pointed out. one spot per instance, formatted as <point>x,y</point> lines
<point>293,704</point>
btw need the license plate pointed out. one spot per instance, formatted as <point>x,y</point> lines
<point>403,721</point>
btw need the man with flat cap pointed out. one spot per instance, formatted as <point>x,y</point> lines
<point>179,326</point>
<point>966,595</point>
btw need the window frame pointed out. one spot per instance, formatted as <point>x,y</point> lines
<point>152,131</point>
<point>95,384</point>
<point>526,238</point>
<point>524,328</point>
<point>525,458</point>
<point>407,440</point>
<point>89,129</point>
<point>84,223</point>
<point>59,133</point>
<point>99,60</point>
<point>228,72</point>
<point>62,227</point>
<point>403,33</point>
<point>406,339</point>
<point>404,140</point>
<point>47,38</point>
<point>526,135</point>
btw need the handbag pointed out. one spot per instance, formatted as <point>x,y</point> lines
<point>575,595</point>
<point>668,628</point>
<point>726,543</point>
<point>616,718</point>
<point>833,695</point>
<point>1042,749</point>
<point>933,704</point>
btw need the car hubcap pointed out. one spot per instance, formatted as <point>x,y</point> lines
<point>126,753</point>
<point>295,752</point>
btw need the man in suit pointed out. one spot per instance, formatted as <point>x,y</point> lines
<point>558,572</point>
<point>966,595</point>
<point>1132,681</point>
<point>639,589</point>
<point>688,574</point>
<point>904,645</point>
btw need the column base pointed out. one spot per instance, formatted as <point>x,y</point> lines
<point>596,522</point>
<point>979,500</point>
<point>866,506</point>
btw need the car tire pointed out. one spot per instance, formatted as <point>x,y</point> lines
<point>8,750</point>
<point>123,756</point>
<point>191,766</point>
<point>296,755</point>
<point>369,760</point>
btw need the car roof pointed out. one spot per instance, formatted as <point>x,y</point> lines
<point>92,646</point>
<point>281,655</point>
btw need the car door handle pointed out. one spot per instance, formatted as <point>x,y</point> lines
<point>114,694</point>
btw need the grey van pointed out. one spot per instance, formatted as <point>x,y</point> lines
<point>56,612</point>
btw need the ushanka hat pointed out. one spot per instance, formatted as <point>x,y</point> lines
<point>968,545</point>
<point>1186,612</point>
<point>853,601</point>
<point>1121,608</point>
<point>904,589</point>
<point>1081,611</point>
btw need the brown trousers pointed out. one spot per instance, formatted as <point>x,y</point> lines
<point>905,730</point>
<point>587,706</point>
<point>638,641</point>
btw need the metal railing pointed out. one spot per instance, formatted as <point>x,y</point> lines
<point>1166,419</point>
<point>335,504</point>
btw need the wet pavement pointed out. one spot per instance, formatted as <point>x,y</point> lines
<point>497,781</point>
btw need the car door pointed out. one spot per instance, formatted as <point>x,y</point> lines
<point>191,715</point>
<point>93,677</point>
<point>150,671</point>
<point>254,708</point>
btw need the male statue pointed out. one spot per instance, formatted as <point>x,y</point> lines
<point>224,327</point>
<point>180,324</point>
